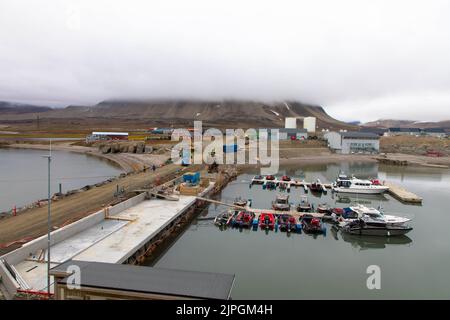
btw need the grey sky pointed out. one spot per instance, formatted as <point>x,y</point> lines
<point>361,60</point>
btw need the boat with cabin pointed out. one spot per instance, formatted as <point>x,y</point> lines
<point>374,227</point>
<point>345,184</point>
<point>304,205</point>
<point>359,211</point>
<point>281,203</point>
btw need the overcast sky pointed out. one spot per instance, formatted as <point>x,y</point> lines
<point>361,60</point>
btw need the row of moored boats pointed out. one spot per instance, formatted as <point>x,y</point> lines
<point>357,219</point>
<point>343,184</point>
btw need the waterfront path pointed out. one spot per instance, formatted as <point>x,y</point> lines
<point>33,222</point>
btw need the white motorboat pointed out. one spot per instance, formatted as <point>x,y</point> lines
<point>374,227</point>
<point>345,184</point>
<point>361,212</point>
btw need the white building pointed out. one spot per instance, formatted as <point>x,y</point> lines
<point>309,123</point>
<point>353,142</point>
<point>290,123</point>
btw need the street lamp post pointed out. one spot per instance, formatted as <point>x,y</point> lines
<point>49,160</point>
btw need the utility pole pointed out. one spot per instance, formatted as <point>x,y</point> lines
<point>49,160</point>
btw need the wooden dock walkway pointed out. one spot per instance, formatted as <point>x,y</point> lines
<point>402,194</point>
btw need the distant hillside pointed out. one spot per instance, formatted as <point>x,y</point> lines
<point>17,108</point>
<point>390,123</point>
<point>233,113</point>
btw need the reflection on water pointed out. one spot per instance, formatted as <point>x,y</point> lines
<point>339,260</point>
<point>369,242</point>
<point>365,199</point>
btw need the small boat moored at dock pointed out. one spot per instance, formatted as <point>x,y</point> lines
<point>240,202</point>
<point>324,208</point>
<point>311,224</point>
<point>317,187</point>
<point>267,221</point>
<point>281,203</point>
<point>224,218</point>
<point>258,179</point>
<point>304,205</point>
<point>243,219</point>
<point>286,222</point>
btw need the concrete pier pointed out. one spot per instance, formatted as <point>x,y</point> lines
<point>118,234</point>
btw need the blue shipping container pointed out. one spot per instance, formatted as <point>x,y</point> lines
<point>191,177</point>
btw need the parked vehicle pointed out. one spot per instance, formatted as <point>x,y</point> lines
<point>285,178</point>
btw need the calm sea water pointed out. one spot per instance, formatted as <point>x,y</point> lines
<point>23,174</point>
<point>276,265</point>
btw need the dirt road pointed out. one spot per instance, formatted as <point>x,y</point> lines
<point>33,222</point>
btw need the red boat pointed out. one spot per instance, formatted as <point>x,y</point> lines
<point>285,178</point>
<point>287,223</point>
<point>337,211</point>
<point>243,219</point>
<point>270,177</point>
<point>267,221</point>
<point>311,224</point>
<point>316,186</point>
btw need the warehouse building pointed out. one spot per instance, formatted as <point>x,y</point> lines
<point>434,132</point>
<point>102,136</point>
<point>403,132</point>
<point>292,134</point>
<point>353,142</point>
<point>110,281</point>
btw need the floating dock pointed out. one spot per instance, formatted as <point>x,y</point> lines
<point>402,194</point>
<point>289,184</point>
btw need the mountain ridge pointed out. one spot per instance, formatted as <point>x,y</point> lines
<point>239,113</point>
<point>392,123</point>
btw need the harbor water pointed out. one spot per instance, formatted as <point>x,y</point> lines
<point>276,265</point>
<point>23,174</point>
